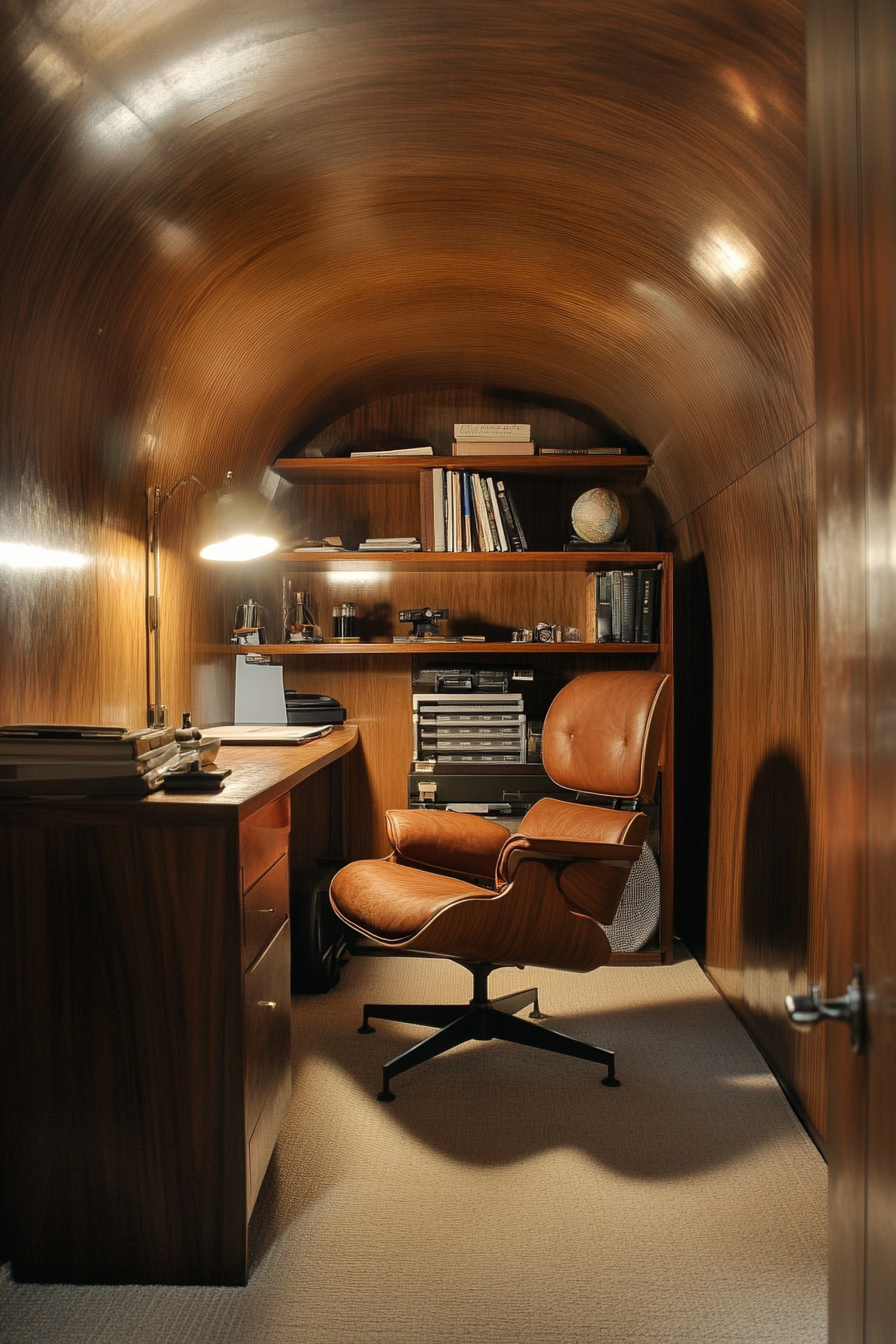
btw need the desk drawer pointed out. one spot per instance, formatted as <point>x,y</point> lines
<point>264,837</point>
<point>265,906</point>
<point>268,1027</point>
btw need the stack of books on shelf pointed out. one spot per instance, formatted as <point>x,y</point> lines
<point>67,760</point>
<point>627,606</point>
<point>581,452</point>
<point>493,441</point>
<point>420,451</point>
<point>467,511</point>
<point>390,544</point>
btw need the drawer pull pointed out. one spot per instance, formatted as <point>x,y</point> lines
<point>266,910</point>
<point>266,1003</point>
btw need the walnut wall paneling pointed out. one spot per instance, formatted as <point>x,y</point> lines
<point>755,543</point>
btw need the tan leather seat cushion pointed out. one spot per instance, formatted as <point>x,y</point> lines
<point>448,842</point>
<point>391,902</point>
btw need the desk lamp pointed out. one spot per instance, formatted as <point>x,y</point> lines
<point>233,523</point>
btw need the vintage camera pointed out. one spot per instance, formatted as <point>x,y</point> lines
<point>425,621</point>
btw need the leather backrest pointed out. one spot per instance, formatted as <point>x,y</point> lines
<point>604,730</point>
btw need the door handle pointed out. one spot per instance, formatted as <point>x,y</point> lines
<point>806,1010</point>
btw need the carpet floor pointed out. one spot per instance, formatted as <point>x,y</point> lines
<point>506,1197</point>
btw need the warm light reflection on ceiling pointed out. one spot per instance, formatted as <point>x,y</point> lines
<point>724,256</point>
<point>18,556</point>
<point>52,70</point>
<point>741,94</point>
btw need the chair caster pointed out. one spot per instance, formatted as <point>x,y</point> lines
<point>385,1096</point>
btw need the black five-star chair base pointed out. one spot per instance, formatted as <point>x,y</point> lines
<point>482,1019</point>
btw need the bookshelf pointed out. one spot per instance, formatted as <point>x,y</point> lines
<point>487,594</point>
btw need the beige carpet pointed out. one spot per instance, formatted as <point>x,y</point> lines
<point>506,1196</point>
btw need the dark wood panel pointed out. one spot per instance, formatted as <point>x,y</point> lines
<point>765,918</point>
<point>842,618</point>
<point>128,1052</point>
<point>876,33</point>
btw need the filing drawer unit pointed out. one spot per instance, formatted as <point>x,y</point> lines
<point>145,996</point>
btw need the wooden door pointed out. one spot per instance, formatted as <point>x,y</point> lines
<point>852,134</point>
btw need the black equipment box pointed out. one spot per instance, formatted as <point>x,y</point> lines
<point>513,787</point>
<point>317,934</point>
<point>312,709</point>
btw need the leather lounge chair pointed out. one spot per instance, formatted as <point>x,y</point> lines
<point>458,886</point>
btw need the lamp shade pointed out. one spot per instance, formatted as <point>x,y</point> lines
<point>235,523</point>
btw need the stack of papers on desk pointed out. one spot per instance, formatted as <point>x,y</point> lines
<point>268,734</point>
<point>78,760</point>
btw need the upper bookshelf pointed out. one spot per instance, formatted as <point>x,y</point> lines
<point>382,470</point>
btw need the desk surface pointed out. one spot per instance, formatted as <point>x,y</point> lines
<point>260,774</point>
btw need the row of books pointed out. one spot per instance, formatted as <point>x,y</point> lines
<point>627,606</point>
<point>86,761</point>
<point>467,511</point>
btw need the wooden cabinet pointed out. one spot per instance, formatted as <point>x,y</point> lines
<point>145,1000</point>
<point>487,595</point>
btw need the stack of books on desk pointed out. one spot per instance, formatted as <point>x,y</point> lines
<point>83,761</point>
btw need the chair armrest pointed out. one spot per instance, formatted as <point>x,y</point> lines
<point>455,843</point>
<point>553,829</point>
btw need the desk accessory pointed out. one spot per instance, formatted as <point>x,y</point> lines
<point>191,778</point>
<point>599,515</point>
<point>345,624</point>
<point>299,625</point>
<point>303,708</point>
<point>425,621</point>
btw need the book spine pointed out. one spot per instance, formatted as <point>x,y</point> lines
<point>524,546</point>
<point>509,525</point>
<point>469,524</point>
<point>615,577</point>
<point>604,610</point>
<point>499,521</point>
<point>650,606</point>
<point>628,606</point>
<point>438,508</point>
<point>482,533</point>
<point>492,525</point>
<point>427,527</point>
<point>640,577</point>
<point>499,431</point>
<point>581,452</point>
<point>458,512</point>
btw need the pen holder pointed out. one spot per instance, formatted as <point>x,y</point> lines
<point>345,624</point>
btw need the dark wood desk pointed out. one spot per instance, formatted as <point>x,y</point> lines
<point>145,1022</point>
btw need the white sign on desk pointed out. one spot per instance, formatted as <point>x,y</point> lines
<point>259,694</point>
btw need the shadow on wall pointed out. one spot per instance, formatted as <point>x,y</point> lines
<point>693,750</point>
<point>775,897</point>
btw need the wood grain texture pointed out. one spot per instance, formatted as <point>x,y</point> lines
<point>765,917</point>
<point>146,994</point>
<point>876,42</point>
<point>224,237</point>
<point>843,539</point>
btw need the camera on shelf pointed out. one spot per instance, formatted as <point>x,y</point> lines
<point>425,621</point>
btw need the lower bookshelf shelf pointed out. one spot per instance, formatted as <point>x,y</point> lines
<point>408,648</point>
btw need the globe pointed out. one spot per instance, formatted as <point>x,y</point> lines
<point>599,515</point>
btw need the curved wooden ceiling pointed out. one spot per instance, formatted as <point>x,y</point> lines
<point>232,220</point>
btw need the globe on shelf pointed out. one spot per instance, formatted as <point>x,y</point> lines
<point>599,515</point>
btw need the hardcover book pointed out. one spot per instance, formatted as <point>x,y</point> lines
<point>519,433</point>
